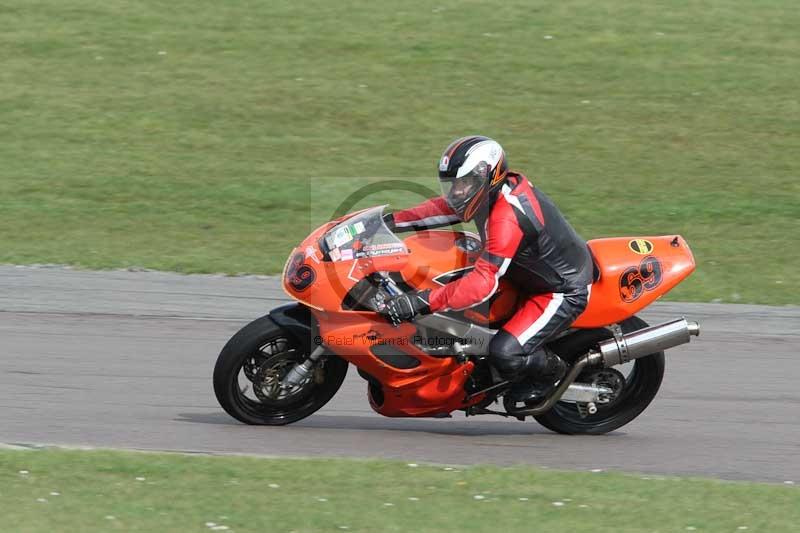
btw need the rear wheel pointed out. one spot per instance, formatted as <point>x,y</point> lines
<point>637,390</point>
<point>251,367</point>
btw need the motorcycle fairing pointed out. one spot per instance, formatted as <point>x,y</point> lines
<point>630,280</point>
<point>634,271</point>
<point>434,386</point>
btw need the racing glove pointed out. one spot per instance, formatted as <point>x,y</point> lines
<point>404,307</point>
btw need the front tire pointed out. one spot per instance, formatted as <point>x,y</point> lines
<point>254,361</point>
<point>641,387</point>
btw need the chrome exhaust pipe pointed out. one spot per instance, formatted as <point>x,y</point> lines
<point>556,395</point>
<point>624,348</point>
<point>616,351</point>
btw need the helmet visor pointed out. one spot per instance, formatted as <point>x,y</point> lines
<point>458,192</point>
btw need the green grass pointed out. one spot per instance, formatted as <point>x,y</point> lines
<point>205,158</point>
<point>160,492</point>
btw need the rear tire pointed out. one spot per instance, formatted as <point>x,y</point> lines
<point>257,349</point>
<point>641,387</point>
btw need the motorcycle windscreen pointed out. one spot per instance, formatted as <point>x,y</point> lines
<point>365,234</point>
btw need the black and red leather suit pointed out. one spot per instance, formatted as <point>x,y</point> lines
<point>528,241</point>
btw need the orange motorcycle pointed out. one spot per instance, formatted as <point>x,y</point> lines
<point>286,365</point>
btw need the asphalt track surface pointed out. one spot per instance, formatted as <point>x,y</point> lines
<point>124,359</point>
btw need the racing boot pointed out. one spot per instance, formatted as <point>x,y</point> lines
<point>549,369</point>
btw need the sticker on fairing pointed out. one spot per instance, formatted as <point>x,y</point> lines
<point>387,246</point>
<point>641,246</point>
<point>347,254</point>
<point>342,236</point>
<point>373,250</point>
<point>359,227</point>
<point>300,275</point>
<point>635,281</point>
<point>303,278</point>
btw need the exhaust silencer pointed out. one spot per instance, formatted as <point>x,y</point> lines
<point>624,348</point>
<point>620,349</point>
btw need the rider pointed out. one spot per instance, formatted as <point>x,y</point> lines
<point>526,240</point>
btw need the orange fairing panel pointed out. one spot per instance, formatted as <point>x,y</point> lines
<point>634,272</point>
<point>432,386</point>
<point>322,284</point>
<point>433,253</point>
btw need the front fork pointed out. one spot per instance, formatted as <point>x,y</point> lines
<point>300,373</point>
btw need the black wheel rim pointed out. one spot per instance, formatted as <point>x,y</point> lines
<point>277,354</point>
<point>637,384</point>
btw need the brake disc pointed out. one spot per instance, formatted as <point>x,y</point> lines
<point>268,383</point>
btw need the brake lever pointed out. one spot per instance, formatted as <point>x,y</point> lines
<point>386,289</point>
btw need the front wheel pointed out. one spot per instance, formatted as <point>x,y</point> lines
<point>251,367</point>
<point>640,387</point>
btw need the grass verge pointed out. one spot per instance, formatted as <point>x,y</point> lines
<point>187,137</point>
<point>57,490</point>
